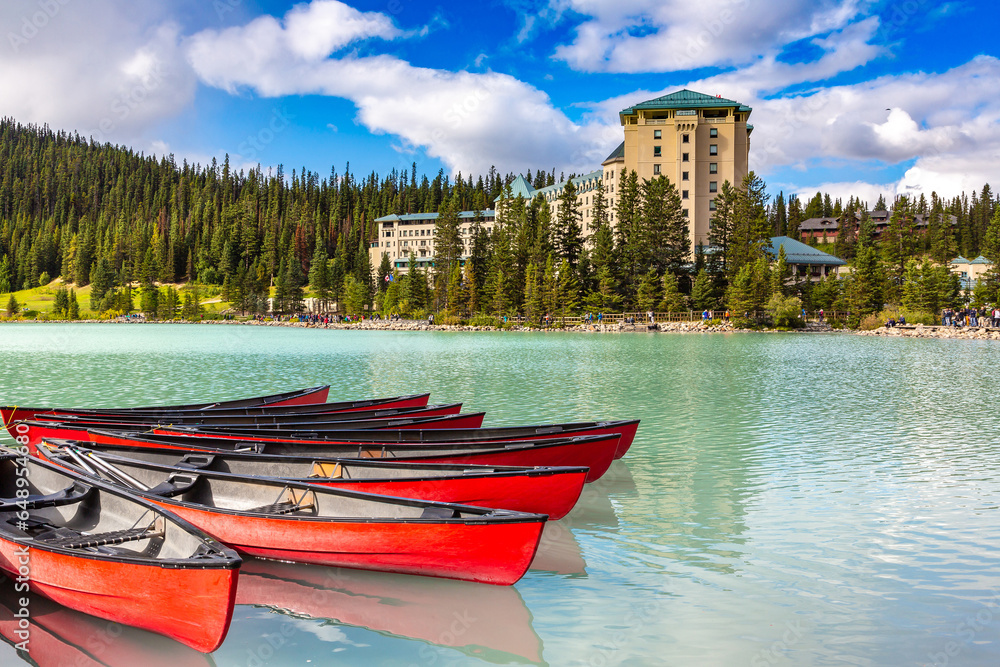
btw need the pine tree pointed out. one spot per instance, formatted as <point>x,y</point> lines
<point>795,217</point>
<point>648,294</point>
<point>568,288</point>
<point>319,277</point>
<point>457,299</point>
<point>703,295</point>
<point>569,231</point>
<point>448,247</point>
<point>673,301</point>
<point>73,311</point>
<point>722,226</point>
<point>663,231</point>
<point>13,307</point>
<point>781,273</point>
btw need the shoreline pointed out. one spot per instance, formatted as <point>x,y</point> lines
<point>907,331</point>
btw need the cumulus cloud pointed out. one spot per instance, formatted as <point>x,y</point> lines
<point>677,35</point>
<point>106,68</point>
<point>468,120</point>
<point>948,123</point>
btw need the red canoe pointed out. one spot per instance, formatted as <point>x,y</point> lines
<point>30,433</point>
<point>551,491</point>
<point>61,636</point>
<point>13,413</point>
<point>626,428</point>
<point>96,549</point>
<point>270,419</point>
<point>593,452</point>
<point>395,402</point>
<point>307,523</point>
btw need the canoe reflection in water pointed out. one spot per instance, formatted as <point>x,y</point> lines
<point>488,622</point>
<point>60,637</point>
<point>558,549</point>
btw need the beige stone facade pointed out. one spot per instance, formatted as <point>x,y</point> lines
<point>398,235</point>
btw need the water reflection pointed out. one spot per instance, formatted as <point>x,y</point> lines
<point>489,622</point>
<point>61,636</point>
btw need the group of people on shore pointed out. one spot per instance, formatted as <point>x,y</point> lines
<point>986,316</point>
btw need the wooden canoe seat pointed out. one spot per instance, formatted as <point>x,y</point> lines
<point>289,501</point>
<point>73,494</point>
<point>327,470</point>
<point>67,538</point>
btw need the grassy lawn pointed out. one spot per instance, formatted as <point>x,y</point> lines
<point>40,301</point>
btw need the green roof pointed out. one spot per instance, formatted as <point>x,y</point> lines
<point>686,99</point>
<point>980,260</point>
<point>408,217</point>
<point>959,260</point>
<point>797,252</point>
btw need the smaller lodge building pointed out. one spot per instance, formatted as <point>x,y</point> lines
<point>827,228</point>
<point>806,262</point>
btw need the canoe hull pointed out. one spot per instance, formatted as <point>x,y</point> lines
<point>192,606</point>
<point>492,553</point>
<point>13,414</point>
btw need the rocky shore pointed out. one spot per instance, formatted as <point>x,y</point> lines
<point>922,331</point>
<point>908,331</point>
<point>423,325</point>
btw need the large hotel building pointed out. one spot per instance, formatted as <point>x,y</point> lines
<point>697,141</point>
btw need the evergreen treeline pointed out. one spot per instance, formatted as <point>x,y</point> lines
<point>106,216</point>
<point>132,227</point>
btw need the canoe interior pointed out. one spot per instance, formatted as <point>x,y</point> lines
<point>96,515</point>
<point>411,435</point>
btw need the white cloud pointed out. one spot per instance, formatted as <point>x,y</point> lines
<point>106,68</point>
<point>676,35</point>
<point>469,121</point>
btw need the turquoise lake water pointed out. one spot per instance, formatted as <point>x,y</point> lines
<point>789,500</point>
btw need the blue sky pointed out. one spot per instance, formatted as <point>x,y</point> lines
<point>850,97</point>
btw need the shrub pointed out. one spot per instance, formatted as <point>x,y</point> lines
<point>786,311</point>
<point>876,320</point>
<point>481,320</point>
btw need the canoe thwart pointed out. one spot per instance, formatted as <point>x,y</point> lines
<point>73,494</point>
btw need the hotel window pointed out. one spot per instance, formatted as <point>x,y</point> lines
<point>684,194</point>
<point>713,186</point>
<point>713,167</point>
<point>713,132</point>
<point>711,204</point>
<point>685,138</point>
<point>684,212</point>
<point>657,134</point>
<point>684,175</point>
<point>713,149</point>
<point>656,169</point>
<point>684,157</point>
<point>656,151</point>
